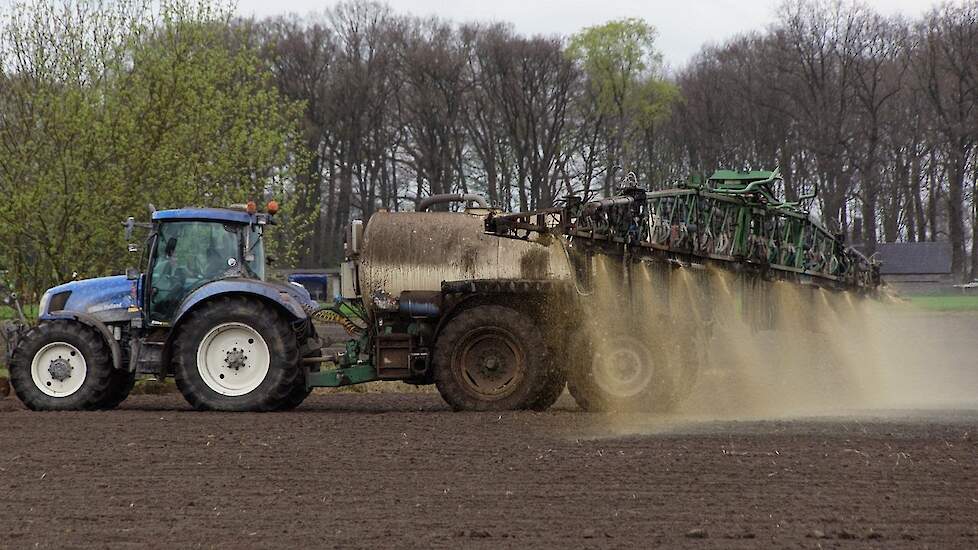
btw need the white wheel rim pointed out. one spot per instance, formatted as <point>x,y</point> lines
<point>59,369</point>
<point>622,371</point>
<point>233,359</point>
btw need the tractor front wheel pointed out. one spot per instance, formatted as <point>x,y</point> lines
<point>236,354</point>
<point>62,366</point>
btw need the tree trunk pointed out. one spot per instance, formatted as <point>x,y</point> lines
<point>955,214</point>
<point>934,196</point>
<point>974,223</point>
<point>869,235</point>
<point>918,207</point>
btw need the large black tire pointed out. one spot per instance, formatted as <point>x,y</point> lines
<point>119,389</point>
<point>295,397</point>
<point>622,373</point>
<point>491,358</point>
<point>272,390</point>
<point>93,388</point>
<point>299,391</point>
<point>552,389</point>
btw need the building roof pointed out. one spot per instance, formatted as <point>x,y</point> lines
<point>915,258</point>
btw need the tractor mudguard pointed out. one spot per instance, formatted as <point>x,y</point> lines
<point>293,300</point>
<point>91,321</point>
<point>289,298</point>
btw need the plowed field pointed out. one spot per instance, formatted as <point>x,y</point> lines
<point>399,470</point>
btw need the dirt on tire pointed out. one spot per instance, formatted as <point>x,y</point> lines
<point>369,470</point>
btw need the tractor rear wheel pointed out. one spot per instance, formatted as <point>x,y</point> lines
<point>491,358</point>
<point>298,394</point>
<point>119,389</point>
<point>619,372</point>
<point>236,354</point>
<point>62,366</point>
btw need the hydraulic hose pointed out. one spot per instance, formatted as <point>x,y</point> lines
<point>330,316</point>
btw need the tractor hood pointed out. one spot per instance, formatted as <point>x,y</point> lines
<point>105,298</point>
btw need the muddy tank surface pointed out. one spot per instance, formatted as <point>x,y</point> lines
<point>416,251</point>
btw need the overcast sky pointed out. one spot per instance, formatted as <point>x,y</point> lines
<point>684,25</point>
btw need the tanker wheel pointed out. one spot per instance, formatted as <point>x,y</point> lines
<point>491,358</point>
<point>236,354</point>
<point>62,366</point>
<point>553,387</point>
<point>121,386</point>
<point>621,373</point>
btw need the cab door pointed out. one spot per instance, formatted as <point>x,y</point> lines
<point>186,255</point>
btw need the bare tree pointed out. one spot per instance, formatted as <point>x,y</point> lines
<point>947,72</point>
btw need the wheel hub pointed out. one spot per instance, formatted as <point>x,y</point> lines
<point>623,367</point>
<point>59,369</point>
<point>233,359</point>
<point>236,359</point>
<point>489,363</point>
<point>491,366</point>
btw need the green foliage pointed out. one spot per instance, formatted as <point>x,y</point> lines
<point>8,312</point>
<point>626,90</point>
<point>617,57</point>
<point>959,302</point>
<point>109,107</point>
<point>653,100</point>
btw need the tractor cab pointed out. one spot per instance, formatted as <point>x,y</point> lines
<point>190,247</point>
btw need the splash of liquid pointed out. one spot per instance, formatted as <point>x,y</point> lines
<point>760,349</point>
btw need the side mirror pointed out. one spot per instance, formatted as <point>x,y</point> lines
<point>130,224</point>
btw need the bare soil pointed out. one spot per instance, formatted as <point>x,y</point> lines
<point>400,470</point>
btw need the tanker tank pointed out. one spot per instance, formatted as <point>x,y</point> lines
<point>417,251</point>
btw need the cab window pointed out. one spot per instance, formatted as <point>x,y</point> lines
<point>189,254</point>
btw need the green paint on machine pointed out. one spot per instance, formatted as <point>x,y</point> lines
<point>334,378</point>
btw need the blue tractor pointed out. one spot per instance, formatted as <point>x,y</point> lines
<point>200,310</point>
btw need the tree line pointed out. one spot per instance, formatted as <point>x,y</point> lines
<point>880,113</point>
<point>107,107</point>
